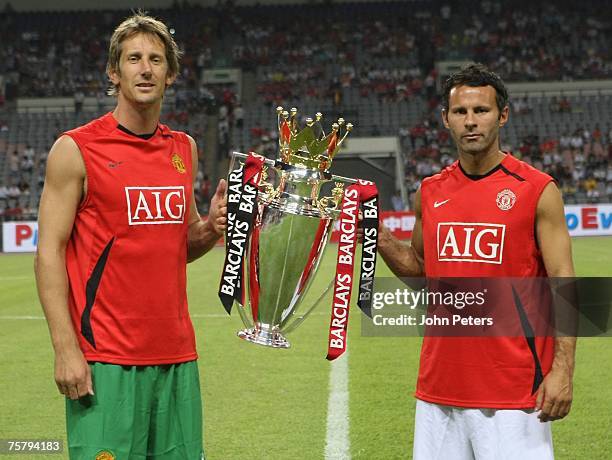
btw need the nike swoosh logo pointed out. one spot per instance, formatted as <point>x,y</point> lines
<point>437,204</point>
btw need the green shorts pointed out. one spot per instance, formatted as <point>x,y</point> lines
<point>138,413</point>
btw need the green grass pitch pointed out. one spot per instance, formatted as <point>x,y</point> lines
<point>261,403</point>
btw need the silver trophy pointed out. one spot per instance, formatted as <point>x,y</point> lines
<point>297,203</point>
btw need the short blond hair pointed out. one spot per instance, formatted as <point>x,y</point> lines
<point>141,23</point>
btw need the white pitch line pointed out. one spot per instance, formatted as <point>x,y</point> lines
<point>337,442</point>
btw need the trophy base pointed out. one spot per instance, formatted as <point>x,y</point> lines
<point>265,338</point>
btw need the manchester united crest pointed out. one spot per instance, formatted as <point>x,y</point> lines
<point>505,199</point>
<point>105,455</point>
<point>178,164</point>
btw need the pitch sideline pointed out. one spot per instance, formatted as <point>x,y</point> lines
<point>337,442</point>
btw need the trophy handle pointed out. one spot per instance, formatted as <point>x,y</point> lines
<point>245,318</point>
<point>300,319</point>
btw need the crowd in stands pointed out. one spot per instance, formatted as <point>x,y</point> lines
<point>323,51</point>
<point>535,41</point>
<point>60,54</point>
<point>15,193</point>
<point>578,160</point>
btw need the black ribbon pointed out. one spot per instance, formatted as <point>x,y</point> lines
<point>234,183</point>
<point>368,254</point>
<point>241,211</point>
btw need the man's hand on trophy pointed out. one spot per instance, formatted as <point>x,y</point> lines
<point>217,214</point>
<point>360,227</point>
<point>383,232</point>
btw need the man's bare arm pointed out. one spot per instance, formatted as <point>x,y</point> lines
<point>555,392</point>
<point>404,260</point>
<point>62,193</point>
<point>203,235</point>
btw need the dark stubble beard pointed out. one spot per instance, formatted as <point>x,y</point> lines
<point>482,146</point>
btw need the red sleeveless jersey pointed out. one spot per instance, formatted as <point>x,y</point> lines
<point>126,258</point>
<point>483,226</point>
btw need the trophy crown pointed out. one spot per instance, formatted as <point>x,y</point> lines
<point>310,147</point>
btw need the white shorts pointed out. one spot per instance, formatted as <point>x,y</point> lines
<point>456,433</point>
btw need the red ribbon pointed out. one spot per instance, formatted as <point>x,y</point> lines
<point>343,282</point>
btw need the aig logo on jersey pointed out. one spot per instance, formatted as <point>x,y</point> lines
<point>471,242</point>
<point>155,205</point>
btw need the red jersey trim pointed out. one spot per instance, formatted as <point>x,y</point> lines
<point>75,134</point>
<point>539,190</point>
<point>94,357</point>
<point>477,404</point>
<point>510,167</point>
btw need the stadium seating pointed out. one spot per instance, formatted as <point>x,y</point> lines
<point>372,63</point>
